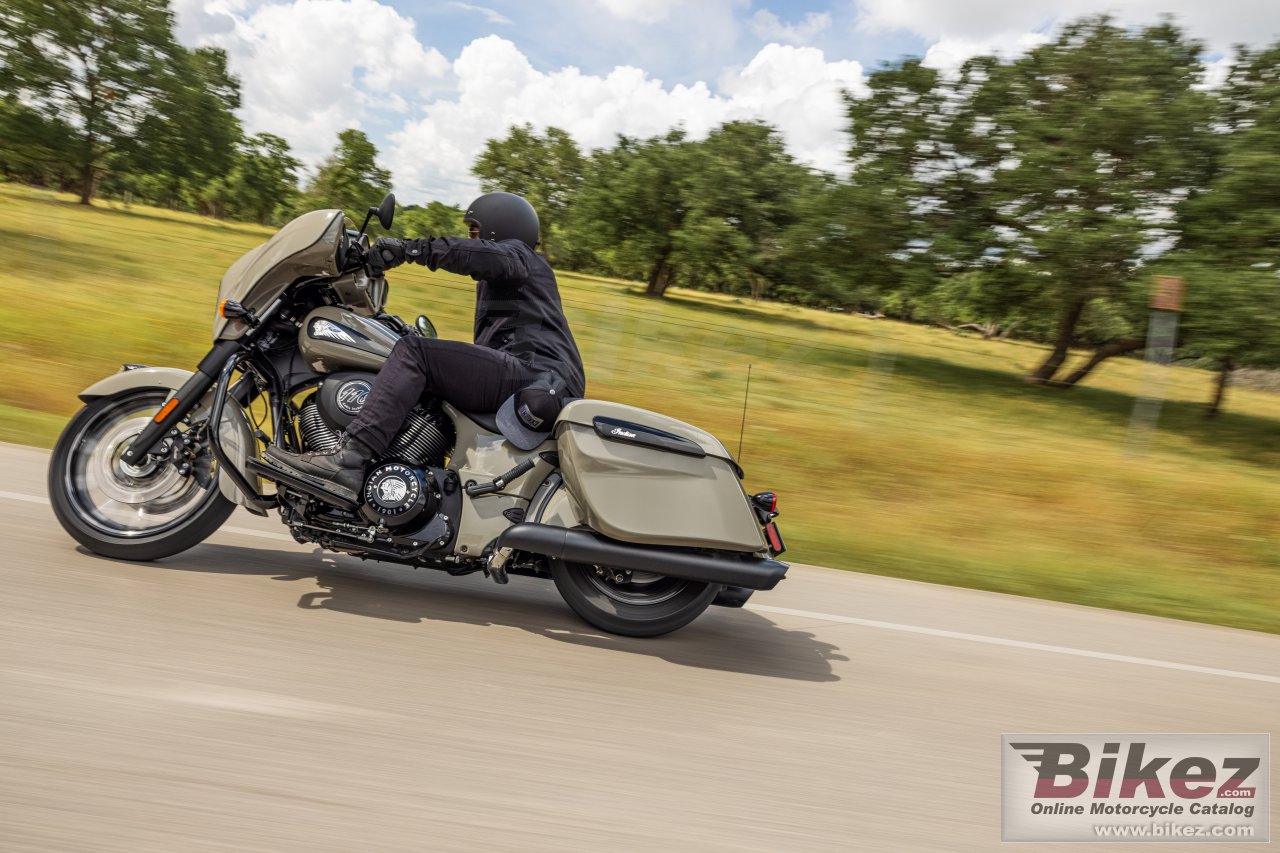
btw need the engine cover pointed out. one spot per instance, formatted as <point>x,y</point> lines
<point>399,496</point>
<point>341,397</point>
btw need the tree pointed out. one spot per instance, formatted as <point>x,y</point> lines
<point>631,206</point>
<point>742,192</point>
<point>1079,144</point>
<point>350,179</point>
<point>100,66</point>
<point>190,137</point>
<point>1230,246</point>
<point>435,219</point>
<point>264,179</point>
<point>34,148</point>
<point>886,213</point>
<point>546,169</point>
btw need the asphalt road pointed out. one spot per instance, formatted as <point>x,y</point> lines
<point>253,694</point>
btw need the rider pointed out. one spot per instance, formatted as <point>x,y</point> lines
<point>523,364</point>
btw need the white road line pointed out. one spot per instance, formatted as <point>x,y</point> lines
<point>242,531</point>
<point>872,623</point>
<point>31,499</point>
<point>1015,644</point>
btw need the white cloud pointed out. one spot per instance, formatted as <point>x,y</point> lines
<point>948,54</point>
<point>1216,71</point>
<point>641,11</point>
<point>770,27</point>
<point>794,88</point>
<point>199,19</point>
<point>311,68</point>
<point>493,16</point>
<point>1221,23</point>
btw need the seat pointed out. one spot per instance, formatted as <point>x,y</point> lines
<point>487,420</point>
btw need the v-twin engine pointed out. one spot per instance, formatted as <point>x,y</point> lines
<point>422,441</point>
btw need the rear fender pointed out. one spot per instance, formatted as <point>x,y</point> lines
<point>237,438</point>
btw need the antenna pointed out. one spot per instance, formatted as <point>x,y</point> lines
<point>743,427</point>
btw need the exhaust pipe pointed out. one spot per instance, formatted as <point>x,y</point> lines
<point>584,546</point>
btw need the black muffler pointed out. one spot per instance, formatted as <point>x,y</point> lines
<point>584,546</point>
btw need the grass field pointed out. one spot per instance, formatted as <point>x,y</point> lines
<point>896,449</point>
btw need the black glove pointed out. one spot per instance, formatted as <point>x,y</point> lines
<point>385,253</point>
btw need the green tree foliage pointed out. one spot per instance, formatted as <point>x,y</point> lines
<point>1230,247</point>
<point>191,136</point>
<point>741,194</point>
<point>434,219</point>
<point>33,147</point>
<point>713,214</point>
<point>100,67</point>
<point>350,179</point>
<point>544,168</point>
<point>264,181</point>
<point>1079,143</point>
<point>632,205</point>
<point>879,215</point>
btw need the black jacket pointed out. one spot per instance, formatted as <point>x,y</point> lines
<point>518,308</point>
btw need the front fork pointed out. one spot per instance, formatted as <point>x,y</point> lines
<point>217,364</point>
<point>182,401</point>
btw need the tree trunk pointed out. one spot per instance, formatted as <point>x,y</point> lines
<point>1220,387</point>
<point>1061,346</point>
<point>86,182</point>
<point>90,141</point>
<point>659,277</point>
<point>1100,355</point>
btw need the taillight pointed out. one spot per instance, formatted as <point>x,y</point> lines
<point>766,506</point>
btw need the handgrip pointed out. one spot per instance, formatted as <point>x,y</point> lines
<point>475,490</point>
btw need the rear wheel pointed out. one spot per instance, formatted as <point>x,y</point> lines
<point>131,512</point>
<point>632,603</point>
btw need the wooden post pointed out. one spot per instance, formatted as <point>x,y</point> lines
<point>1167,293</point>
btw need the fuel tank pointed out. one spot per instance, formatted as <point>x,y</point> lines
<point>333,339</point>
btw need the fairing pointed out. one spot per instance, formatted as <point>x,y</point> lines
<point>307,246</point>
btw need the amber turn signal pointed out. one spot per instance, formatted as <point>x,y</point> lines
<point>168,407</point>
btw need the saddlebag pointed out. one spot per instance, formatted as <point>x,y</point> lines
<point>645,478</point>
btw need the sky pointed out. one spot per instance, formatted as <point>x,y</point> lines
<point>429,82</point>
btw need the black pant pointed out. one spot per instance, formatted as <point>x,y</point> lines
<point>473,378</point>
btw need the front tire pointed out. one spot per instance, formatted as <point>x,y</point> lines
<point>634,604</point>
<point>122,511</point>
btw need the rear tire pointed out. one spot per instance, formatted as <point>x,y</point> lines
<point>90,487</point>
<point>645,605</point>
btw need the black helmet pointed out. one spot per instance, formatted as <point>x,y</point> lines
<point>504,216</point>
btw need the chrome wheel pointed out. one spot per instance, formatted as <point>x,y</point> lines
<point>123,499</point>
<point>139,512</point>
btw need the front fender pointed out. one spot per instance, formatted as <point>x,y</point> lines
<point>127,379</point>
<point>235,434</point>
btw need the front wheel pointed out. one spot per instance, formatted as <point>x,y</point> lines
<point>132,512</point>
<point>631,603</point>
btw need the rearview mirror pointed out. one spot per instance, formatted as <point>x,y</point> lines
<point>426,328</point>
<point>387,211</point>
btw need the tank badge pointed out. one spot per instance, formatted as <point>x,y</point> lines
<point>351,396</point>
<point>622,432</point>
<point>325,329</point>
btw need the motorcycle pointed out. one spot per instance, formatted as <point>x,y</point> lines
<point>640,520</point>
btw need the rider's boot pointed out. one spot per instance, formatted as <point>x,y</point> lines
<point>340,471</point>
